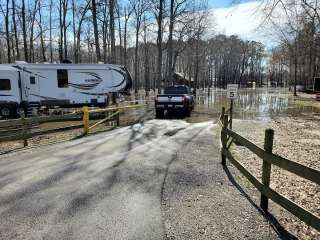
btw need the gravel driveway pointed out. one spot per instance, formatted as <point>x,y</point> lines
<point>155,180</point>
<point>201,201</point>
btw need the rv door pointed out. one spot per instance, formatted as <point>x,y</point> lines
<point>32,87</point>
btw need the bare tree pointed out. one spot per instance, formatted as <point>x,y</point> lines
<point>287,33</point>
<point>50,30</point>
<point>33,13</point>
<point>146,58</point>
<point>43,48</point>
<point>24,31</point>
<point>95,29</point>
<point>139,8</point>
<point>5,13</point>
<point>81,13</point>
<point>119,34</point>
<point>14,22</point>
<point>158,11</point>
<point>127,14</point>
<point>112,31</point>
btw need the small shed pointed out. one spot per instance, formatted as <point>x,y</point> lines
<point>179,79</point>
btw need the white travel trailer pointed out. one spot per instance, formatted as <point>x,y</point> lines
<point>65,85</point>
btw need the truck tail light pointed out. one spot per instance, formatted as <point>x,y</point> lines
<point>185,99</point>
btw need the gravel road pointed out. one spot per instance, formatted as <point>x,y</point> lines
<point>153,180</point>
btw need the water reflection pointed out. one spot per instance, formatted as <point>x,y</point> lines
<point>258,104</point>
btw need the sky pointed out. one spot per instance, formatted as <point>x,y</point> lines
<point>236,17</point>
<point>243,19</point>
<point>224,3</point>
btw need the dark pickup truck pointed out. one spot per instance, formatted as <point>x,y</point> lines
<point>177,99</point>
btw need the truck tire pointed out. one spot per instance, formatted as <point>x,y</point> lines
<point>188,112</point>
<point>159,113</point>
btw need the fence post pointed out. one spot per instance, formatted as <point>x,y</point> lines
<point>223,110</point>
<point>224,138</point>
<point>266,167</point>
<point>114,98</point>
<point>118,116</point>
<point>231,113</point>
<point>24,130</point>
<point>85,111</point>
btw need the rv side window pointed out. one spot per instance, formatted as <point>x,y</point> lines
<point>5,85</point>
<point>62,75</point>
<point>32,80</point>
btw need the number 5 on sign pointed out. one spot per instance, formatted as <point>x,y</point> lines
<point>232,91</point>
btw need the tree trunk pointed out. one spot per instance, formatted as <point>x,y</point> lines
<point>104,39</point>
<point>24,31</point>
<point>159,45</point>
<point>125,38</point>
<point>170,43</point>
<point>112,33</point>
<point>74,31</point>
<point>295,68</point>
<point>32,21</point>
<point>65,46</point>
<point>61,32</point>
<point>146,61</point>
<point>136,75</point>
<point>8,32</point>
<point>43,49</point>
<point>120,36</point>
<point>50,26</point>
<point>95,29</point>
<point>15,29</point>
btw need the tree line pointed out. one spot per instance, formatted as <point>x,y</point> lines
<point>295,60</point>
<point>153,38</point>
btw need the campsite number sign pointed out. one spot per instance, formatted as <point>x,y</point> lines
<point>232,91</point>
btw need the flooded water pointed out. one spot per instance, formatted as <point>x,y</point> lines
<point>259,104</point>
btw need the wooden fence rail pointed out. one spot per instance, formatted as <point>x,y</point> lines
<point>41,119</point>
<point>115,111</point>
<point>26,123</point>
<point>228,137</point>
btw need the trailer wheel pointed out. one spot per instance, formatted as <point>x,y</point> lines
<point>19,111</point>
<point>5,112</point>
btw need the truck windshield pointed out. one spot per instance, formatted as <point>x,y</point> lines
<point>176,90</point>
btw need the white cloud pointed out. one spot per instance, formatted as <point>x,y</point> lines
<point>243,20</point>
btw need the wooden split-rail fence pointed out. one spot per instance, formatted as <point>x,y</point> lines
<point>24,128</point>
<point>228,137</point>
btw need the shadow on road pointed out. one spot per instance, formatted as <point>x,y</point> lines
<point>278,228</point>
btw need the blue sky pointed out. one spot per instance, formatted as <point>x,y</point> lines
<point>224,3</point>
